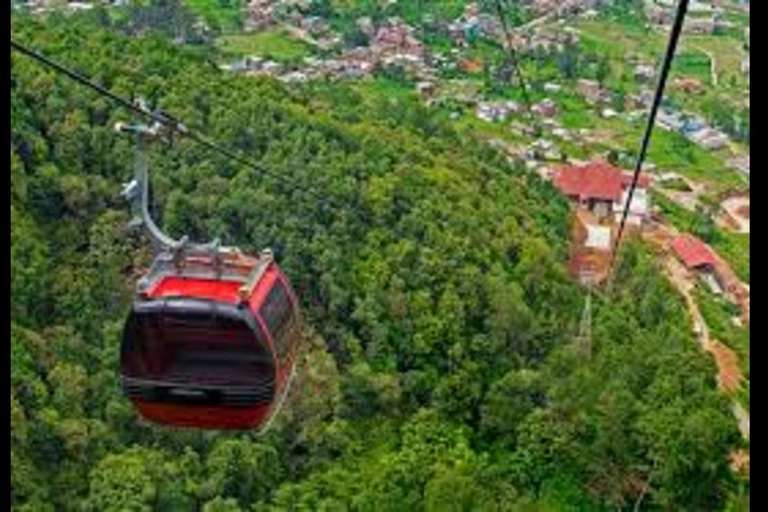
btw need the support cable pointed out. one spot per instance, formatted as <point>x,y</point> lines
<point>168,122</point>
<point>677,29</point>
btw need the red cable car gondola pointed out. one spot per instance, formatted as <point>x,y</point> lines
<point>213,336</point>
<point>212,346</point>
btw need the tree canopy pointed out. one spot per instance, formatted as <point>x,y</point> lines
<point>440,372</point>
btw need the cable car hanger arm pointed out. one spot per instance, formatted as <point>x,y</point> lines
<point>137,192</point>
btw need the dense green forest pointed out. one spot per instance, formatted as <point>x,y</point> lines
<point>441,371</point>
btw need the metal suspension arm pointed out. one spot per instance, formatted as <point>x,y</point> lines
<point>179,253</point>
<point>137,191</point>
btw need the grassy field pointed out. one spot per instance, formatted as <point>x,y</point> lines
<point>226,15</point>
<point>726,50</point>
<point>693,64</point>
<point>673,152</point>
<point>620,40</point>
<point>275,44</point>
<point>381,88</point>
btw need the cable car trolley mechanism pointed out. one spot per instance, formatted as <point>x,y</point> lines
<point>212,339</point>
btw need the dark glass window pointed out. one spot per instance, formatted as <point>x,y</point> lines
<point>280,317</point>
<point>195,348</point>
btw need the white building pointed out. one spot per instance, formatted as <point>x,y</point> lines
<point>639,210</point>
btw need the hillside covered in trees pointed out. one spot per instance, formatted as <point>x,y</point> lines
<point>441,370</point>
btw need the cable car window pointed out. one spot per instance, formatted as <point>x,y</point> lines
<point>199,349</point>
<point>279,315</point>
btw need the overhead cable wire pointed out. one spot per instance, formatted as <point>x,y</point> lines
<point>674,39</point>
<point>166,120</point>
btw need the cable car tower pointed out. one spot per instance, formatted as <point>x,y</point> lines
<point>584,339</point>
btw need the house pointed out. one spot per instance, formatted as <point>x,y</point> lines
<point>295,77</point>
<point>563,134</point>
<point>640,210</point>
<point>694,253</point>
<point>239,66</point>
<point>260,14</point>
<point>693,125</point>
<point>645,73</point>
<point>426,90</point>
<point>491,112</point>
<point>471,66</point>
<point>688,85</point>
<point>588,88</point>
<point>698,257</point>
<point>80,6</point>
<point>604,190</point>
<point>640,101</point>
<point>546,108</point>
<point>657,14</point>
<point>701,26</point>
<point>709,139</point>
<point>701,7</point>
<point>543,149</point>
<point>523,129</point>
<point>670,121</point>
<point>594,93</point>
<point>366,26</point>
<point>745,65</point>
<point>271,68</point>
<point>488,113</point>
<point>396,37</point>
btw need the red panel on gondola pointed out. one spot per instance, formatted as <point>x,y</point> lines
<point>212,418</point>
<point>212,348</point>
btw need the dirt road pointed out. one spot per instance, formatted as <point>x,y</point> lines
<point>738,209</point>
<point>729,375</point>
<point>743,417</point>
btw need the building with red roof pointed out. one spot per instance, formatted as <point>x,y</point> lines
<point>699,257</point>
<point>694,253</point>
<point>604,190</point>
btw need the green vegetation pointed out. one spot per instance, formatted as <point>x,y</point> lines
<point>441,369</point>
<point>619,40</point>
<point>673,152</point>
<point>677,184</point>
<point>277,45</point>
<point>696,65</point>
<point>735,248</point>
<point>226,15</point>
<point>719,315</point>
